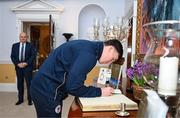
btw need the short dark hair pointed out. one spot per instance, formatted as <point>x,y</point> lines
<point>116,44</point>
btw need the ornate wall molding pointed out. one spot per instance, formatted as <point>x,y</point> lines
<point>37,6</point>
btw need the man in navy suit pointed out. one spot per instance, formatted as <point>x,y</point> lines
<point>22,56</point>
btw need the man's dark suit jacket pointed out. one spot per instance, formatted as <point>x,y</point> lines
<point>29,56</point>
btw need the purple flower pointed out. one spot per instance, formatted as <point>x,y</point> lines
<point>139,70</point>
<point>130,73</point>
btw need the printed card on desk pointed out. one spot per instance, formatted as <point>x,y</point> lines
<point>104,75</point>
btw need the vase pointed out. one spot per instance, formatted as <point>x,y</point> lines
<point>163,53</point>
<point>138,92</point>
<point>67,36</point>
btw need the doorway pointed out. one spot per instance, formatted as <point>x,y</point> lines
<point>39,36</point>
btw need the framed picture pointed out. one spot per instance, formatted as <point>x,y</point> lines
<point>149,11</point>
<point>143,17</point>
<point>139,28</point>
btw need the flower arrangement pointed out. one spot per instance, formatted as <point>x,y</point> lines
<point>142,73</point>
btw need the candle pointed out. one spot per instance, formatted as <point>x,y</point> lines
<point>106,22</point>
<point>119,20</point>
<point>96,22</point>
<point>168,75</point>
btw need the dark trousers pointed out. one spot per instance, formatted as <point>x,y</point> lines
<point>21,74</point>
<point>46,106</point>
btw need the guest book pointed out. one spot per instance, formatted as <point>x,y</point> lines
<point>109,103</point>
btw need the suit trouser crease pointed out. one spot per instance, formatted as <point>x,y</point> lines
<point>21,75</point>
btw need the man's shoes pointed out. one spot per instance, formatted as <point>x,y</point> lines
<point>30,103</point>
<point>19,102</point>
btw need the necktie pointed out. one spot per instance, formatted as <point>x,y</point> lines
<point>22,50</point>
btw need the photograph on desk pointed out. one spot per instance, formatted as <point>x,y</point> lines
<point>110,76</point>
<point>104,75</point>
<point>110,103</point>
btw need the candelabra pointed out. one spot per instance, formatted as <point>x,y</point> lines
<point>120,30</point>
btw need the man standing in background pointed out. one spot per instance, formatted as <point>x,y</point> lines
<point>22,56</point>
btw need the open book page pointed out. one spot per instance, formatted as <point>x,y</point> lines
<point>109,103</point>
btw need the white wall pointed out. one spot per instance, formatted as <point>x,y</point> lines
<point>68,19</point>
<point>7,29</point>
<point>86,19</point>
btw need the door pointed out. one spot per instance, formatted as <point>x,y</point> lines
<point>42,37</point>
<point>41,41</point>
<point>51,31</point>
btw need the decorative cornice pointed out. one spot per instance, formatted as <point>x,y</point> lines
<point>37,6</point>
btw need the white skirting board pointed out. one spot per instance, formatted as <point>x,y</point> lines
<point>8,87</point>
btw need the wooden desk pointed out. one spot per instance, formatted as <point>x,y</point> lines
<point>76,112</point>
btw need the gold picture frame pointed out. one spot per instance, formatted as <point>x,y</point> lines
<point>165,10</point>
<point>139,55</point>
<point>142,39</point>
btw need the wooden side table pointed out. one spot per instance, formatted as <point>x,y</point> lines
<point>76,112</point>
